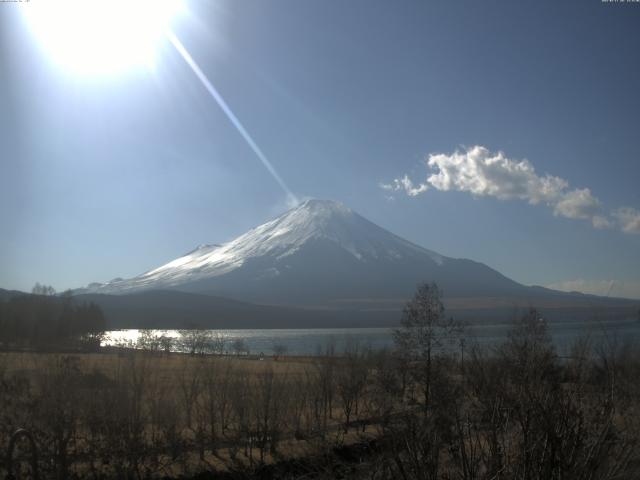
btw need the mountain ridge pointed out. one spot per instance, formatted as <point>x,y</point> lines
<point>303,242</point>
<point>321,254</point>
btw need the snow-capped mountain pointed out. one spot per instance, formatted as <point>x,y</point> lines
<point>318,253</point>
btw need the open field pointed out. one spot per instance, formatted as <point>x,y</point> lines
<point>110,361</point>
<point>181,414</point>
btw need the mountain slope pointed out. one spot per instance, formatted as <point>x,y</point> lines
<point>320,253</point>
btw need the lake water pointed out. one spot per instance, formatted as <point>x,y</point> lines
<point>315,341</point>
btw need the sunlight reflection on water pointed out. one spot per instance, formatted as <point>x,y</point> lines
<point>315,341</point>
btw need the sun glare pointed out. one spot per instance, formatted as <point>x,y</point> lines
<point>101,37</point>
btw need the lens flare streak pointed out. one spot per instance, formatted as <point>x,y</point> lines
<point>234,120</point>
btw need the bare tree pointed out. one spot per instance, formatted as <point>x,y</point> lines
<point>189,384</point>
<point>240,346</point>
<point>46,290</point>
<point>217,343</point>
<point>148,340</point>
<point>280,350</point>
<point>216,399</point>
<point>424,329</point>
<point>351,380</point>
<point>58,409</point>
<point>196,340</point>
<point>269,410</point>
<point>166,343</point>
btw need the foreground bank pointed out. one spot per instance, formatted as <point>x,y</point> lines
<point>521,412</point>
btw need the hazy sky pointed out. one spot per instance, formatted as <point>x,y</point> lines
<point>490,130</point>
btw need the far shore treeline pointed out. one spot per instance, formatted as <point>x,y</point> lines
<point>45,320</point>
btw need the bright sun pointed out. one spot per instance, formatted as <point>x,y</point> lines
<point>101,37</point>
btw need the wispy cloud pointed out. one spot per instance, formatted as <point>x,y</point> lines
<point>628,219</point>
<point>481,172</point>
<point>407,185</point>
<point>611,288</point>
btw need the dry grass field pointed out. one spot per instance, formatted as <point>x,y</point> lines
<point>173,414</point>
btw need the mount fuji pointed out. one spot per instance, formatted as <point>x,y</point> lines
<point>319,253</point>
<point>322,265</point>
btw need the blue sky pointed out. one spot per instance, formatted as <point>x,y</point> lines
<point>104,177</point>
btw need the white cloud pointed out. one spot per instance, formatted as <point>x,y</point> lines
<point>577,204</point>
<point>601,222</point>
<point>407,185</point>
<point>480,172</point>
<point>611,288</point>
<point>628,219</point>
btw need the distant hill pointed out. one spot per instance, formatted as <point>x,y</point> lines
<point>6,294</point>
<point>174,310</point>
<point>170,309</point>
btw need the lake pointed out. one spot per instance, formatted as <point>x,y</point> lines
<point>315,341</point>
